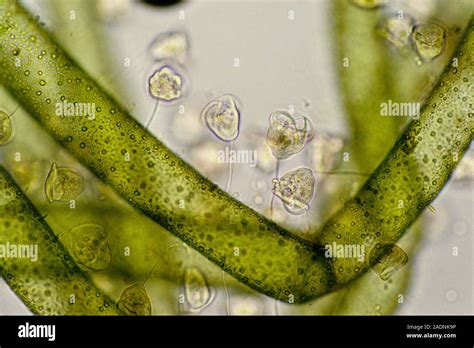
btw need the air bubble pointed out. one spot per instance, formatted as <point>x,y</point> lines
<point>5,128</point>
<point>429,40</point>
<point>393,259</point>
<point>295,189</point>
<point>89,246</point>
<point>134,300</point>
<point>63,184</point>
<point>288,135</point>
<point>196,290</point>
<point>172,45</point>
<point>451,295</point>
<point>222,116</point>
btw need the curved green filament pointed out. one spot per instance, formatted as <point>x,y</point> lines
<point>50,282</point>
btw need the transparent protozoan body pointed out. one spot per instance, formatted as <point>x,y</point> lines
<point>429,40</point>
<point>5,128</point>
<point>167,83</point>
<point>222,117</point>
<point>89,246</point>
<point>63,184</point>
<point>196,290</point>
<point>325,152</point>
<point>172,45</point>
<point>134,300</point>
<point>110,11</point>
<point>393,259</point>
<point>295,189</point>
<point>397,30</point>
<point>368,3</point>
<point>287,134</point>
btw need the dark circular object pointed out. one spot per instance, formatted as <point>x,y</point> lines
<point>162,3</point>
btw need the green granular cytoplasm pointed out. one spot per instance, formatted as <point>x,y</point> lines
<point>50,283</point>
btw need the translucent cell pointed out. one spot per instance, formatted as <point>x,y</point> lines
<point>89,246</point>
<point>326,152</point>
<point>5,128</point>
<point>397,31</point>
<point>429,40</point>
<point>295,189</point>
<point>287,134</point>
<point>63,184</point>
<point>27,173</point>
<point>222,116</point>
<point>110,11</point>
<point>167,83</point>
<point>368,3</point>
<point>172,45</point>
<point>392,260</point>
<point>196,289</point>
<point>246,306</point>
<point>134,300</point>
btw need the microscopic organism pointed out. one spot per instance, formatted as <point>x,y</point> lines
<point>295,189</point>
<point>172,45</point>
<point>63,184</point>
<point>287,134</point>
<point>89,245</point>
<point>196,290</point>
<point>325,153</point>
<point>429,40</point>
<point>222,116</point>
<point>5,128</point>
<point>166,84</point>
<point>397,30</point>
<point>392,260</point>
<point>134,300</point>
